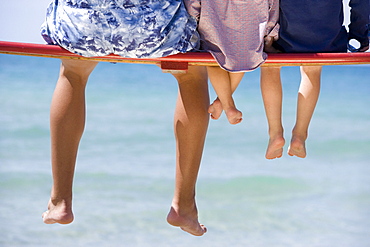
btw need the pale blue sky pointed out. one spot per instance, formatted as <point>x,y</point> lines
<point>20,20</point>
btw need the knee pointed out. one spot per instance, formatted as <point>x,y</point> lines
<point>270,70</point>
<point>76,72</point>
<point>195,74</point>
<point>311,69</point>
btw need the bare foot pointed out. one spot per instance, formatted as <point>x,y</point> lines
<point>275,148</point>
<point>297,147</point>
<point>215,109</point>
<point>187,222</point>
<point>58,212</point>
<point>234,115</point>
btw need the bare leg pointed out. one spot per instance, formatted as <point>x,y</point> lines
<point>215,109</point>
<point>308,95</point>
<point>190,123</point>
<point>67,121</point>
<point>272,98</point>
<point>224,84</point>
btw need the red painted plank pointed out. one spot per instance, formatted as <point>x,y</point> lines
<point>180,61</point>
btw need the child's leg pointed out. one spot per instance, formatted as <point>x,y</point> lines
<point>308,95</point>
<point>215,109</point>
<point>222,82</point>
<point>272,96</point>
<point>67,120</point>
<point>191,123</point>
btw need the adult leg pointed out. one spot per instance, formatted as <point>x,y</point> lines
<point>67,121</point>
<point>190,125</point>
<point>308,95</point>
<point>272,96</point>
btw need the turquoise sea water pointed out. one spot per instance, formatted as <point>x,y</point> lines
<point>125,171</point>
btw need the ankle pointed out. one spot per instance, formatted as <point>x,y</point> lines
<point>276,133</point>
<point>299,135</point>
<point>178,214</point>
<point>57,201</point>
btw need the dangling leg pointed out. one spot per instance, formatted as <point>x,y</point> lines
<point>215,109</point>
<point>224,84</point>
<point>190,123</point>
<point>67,120</point>
<point>308,95</point>
<point>272,96</point>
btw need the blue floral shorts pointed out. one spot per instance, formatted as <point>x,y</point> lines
<point>129,28</point>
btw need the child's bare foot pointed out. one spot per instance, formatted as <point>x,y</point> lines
<point>188,222</point>
<point>58,212</point>
<point>297,147</point>
<point>275,147</point>
<point>215,109</point>
<point>234,115</point>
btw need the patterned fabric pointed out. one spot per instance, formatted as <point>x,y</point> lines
<point>233,30</point>
<point>129,28</point>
